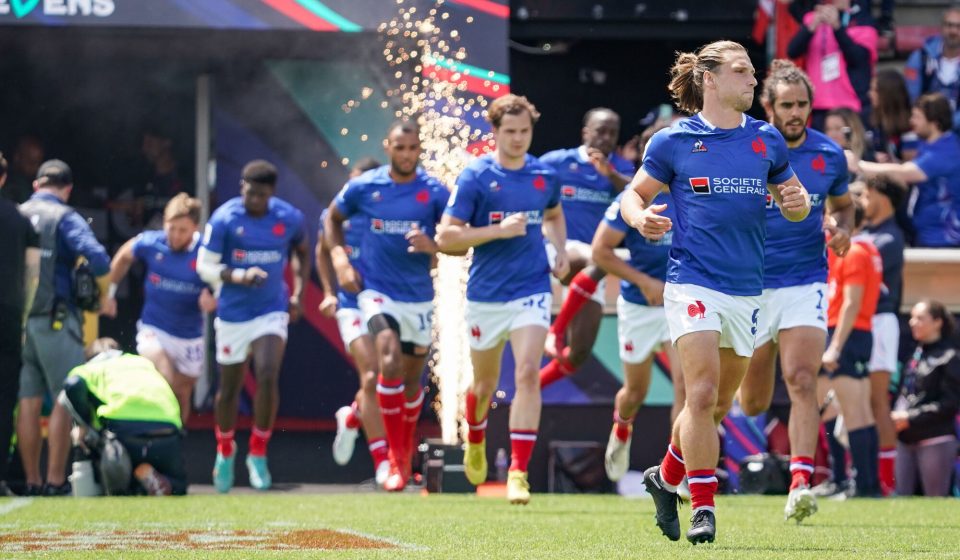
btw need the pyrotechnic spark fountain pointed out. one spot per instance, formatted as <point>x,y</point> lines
<point>422,50</point>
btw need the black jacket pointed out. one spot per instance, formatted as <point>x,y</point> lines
<point>932,390</point>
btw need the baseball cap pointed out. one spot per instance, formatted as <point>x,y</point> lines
<point>55,173</point>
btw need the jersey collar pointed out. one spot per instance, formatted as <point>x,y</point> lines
<point>743,121</point>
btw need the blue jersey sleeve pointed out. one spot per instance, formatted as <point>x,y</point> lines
<point>554,199</point>
<point>466,196</point>
<point>214,234</point>
<point>297,223</point>
<point>440,196</point>
<point>348,199</point>
<point>840,184</point>
<point>658,157</point>
<point>79,238</point>
<point>934,164</point>
<point>613,218</point>
<point>139,247</point>
<point>780,169</point>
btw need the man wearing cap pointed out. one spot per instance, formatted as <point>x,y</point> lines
<point>54,335</point>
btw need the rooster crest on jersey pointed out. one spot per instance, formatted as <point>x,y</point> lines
<point>819,164</point>
<point>696,310</point>
<point>759,147</point>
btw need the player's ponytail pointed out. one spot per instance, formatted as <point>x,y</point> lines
<point>686,75</point>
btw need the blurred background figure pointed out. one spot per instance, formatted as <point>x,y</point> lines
<point>893,140</point>
<point>25,162</point>
<point>928,404</point>
<point>935,68</point>
<point>839,47</point>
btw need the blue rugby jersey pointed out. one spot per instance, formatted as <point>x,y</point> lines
<point>245,241</point>
<point>935,213</point>
<point>718,179</point>
<point>391,210</point>
<point>646,255</point>
<point>584,193</point>
<point>487,193</point>
<point>795,253</point>
<point>172,287</point>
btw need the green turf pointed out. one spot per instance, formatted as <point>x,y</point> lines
<point>552,526</point>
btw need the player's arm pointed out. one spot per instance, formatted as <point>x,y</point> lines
<point>604,242</point>
<point>81,240</point>
<point>555,230</point>
<point>603,166</point>
<point>31,280</point>
<point>325,272</point>
<point>840,219</point>
<point>637,210</point>
<point>792,199</point>
<point>119,267</point>
<point>903,173</point>
<point>213,271</point>
<point>300,267</point>
<point>454,236</point>
<point>852,301</point>
<point>347,276</point>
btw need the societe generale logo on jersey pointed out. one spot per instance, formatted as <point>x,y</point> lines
<point>700,185</point>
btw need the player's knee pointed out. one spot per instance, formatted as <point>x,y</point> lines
<point>721,410</point>
<point>802,381</point>
<point>528,376</point>
<point>702,398</point>
<point>634,395</point>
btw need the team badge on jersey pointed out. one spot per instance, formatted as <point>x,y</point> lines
<point>539,183</point>
<point>819,164</point>
<point>759,147</point>
<point>279,229</point>
<point>423,196</point>
<point>376,196</point>
<point>698,147</point>
<point>494,187</point>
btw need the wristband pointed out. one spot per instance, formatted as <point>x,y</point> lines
<point>237,275</point>
<point>112,291</point>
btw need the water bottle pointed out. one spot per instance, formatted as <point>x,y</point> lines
<point>502,464</point>
<point>83,481</point>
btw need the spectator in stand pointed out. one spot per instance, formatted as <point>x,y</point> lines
<point>924,414</point>
<point>844,127</point>
<point>935,174</point>
<point>840,50</point>
<point>935,67</point>
<point>893,139</point>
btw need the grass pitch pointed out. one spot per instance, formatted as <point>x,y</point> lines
<point>451,526</point>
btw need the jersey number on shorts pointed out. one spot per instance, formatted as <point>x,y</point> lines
<point>425,320</point>
<point>195,353</point>
<point>820,305</point>
<point>753,319</point>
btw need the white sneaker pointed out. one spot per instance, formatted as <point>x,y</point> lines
<point>346,438</point>
<point>617,458</point>
<point>382,473</point>
<point>801,503</point>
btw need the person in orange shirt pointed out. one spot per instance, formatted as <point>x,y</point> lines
<point>853,288</point>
